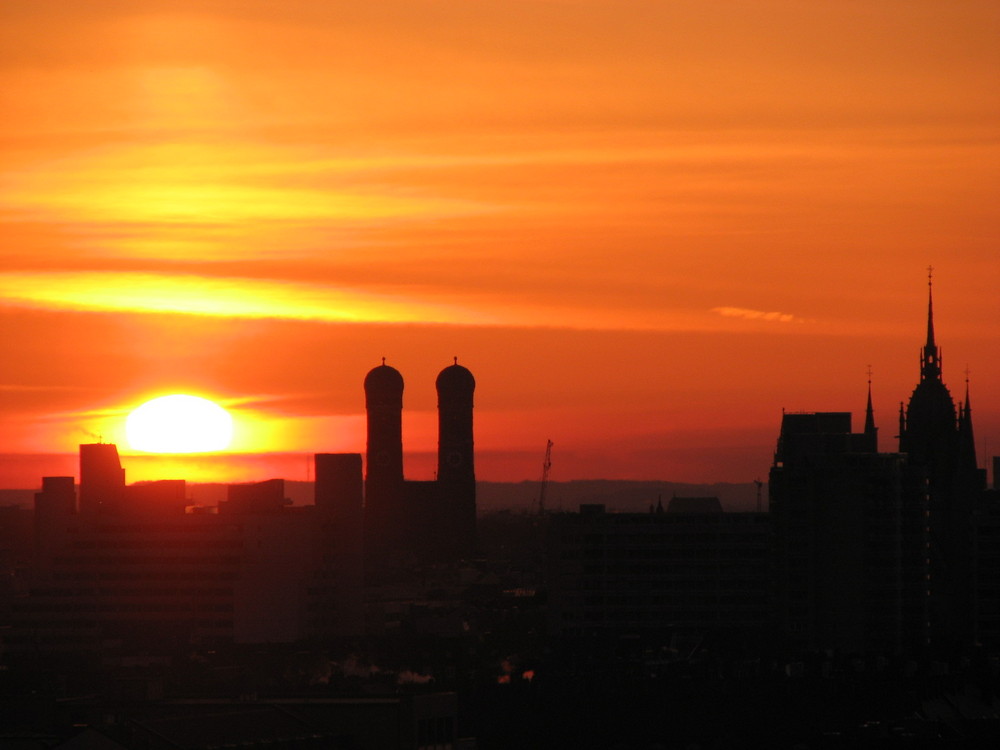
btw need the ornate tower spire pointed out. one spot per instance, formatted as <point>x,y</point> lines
<point>930,357</point>
<point>967,441</point>
<point>871,431</point>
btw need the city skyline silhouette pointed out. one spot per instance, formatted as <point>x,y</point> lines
<point>428,375</point>
<point>867,557</point>
<point>223,465</point>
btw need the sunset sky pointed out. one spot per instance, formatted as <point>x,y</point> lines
<point>645,227</point>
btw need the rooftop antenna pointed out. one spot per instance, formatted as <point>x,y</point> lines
<point>546,465</point>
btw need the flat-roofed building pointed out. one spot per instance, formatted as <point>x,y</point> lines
<point>695,571</point>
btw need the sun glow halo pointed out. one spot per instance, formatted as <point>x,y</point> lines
<point>179,424</point>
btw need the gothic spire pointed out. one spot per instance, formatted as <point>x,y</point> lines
<point>967,440</point>
<point>871,431</point>
<point>930,359</point>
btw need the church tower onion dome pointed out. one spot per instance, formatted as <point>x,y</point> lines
<point>455,381</point>
<point>384,382</point>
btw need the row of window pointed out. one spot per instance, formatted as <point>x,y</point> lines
<point>150,560</point>
<point>82,544</point>
<point>144,592</point>
<point>158,607</point>
<point>80,624</point>
<point>146,575</point>
<point>665,554</point>
<point>757,600</point>
<point>640,570</point>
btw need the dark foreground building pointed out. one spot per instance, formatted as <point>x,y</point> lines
<point>138,568</point>
<point>843,573</point>
<point>691,569</point>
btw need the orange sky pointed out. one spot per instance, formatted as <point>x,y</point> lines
<point>646,227</point>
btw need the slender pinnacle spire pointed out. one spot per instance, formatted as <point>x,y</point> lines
<point>966,437</point>
<point>930,360</point>
<point>871,431</point>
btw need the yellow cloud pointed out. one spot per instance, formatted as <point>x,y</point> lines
<point>238,297</point>
<point>746,314</point>
<point>235,297</point>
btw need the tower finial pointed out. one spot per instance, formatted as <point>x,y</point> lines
<point>930,306</point>
<point>383,361</point>
<point>456,360</point>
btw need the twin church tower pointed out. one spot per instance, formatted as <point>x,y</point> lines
<point>431,521</point>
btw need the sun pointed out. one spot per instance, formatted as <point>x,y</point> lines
<point>179,424</point>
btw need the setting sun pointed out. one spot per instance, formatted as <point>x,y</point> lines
<point>179,424</point>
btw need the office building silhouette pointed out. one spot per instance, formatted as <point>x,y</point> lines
<point>688,570</point>
<point>151,572</point>
<point>839,511</point>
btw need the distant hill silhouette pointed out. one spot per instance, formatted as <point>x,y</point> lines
<point>616,494</point>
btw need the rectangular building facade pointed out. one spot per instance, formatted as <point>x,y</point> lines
<point>660,570</point>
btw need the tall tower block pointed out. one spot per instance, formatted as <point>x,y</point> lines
<point>384,406</point>
<point>384,464</point>
<point>456,462</point>
<point>102,478</point>
<point>337,594</point>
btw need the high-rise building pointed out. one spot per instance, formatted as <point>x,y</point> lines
<point>102,478</point>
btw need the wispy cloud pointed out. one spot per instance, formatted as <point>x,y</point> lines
<point>230,297</point>
<point>748,314</point>
<point>250,298</point>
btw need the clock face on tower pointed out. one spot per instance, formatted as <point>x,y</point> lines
<point>453,458</point>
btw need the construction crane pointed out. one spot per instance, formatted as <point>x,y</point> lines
<point>546,465</point>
